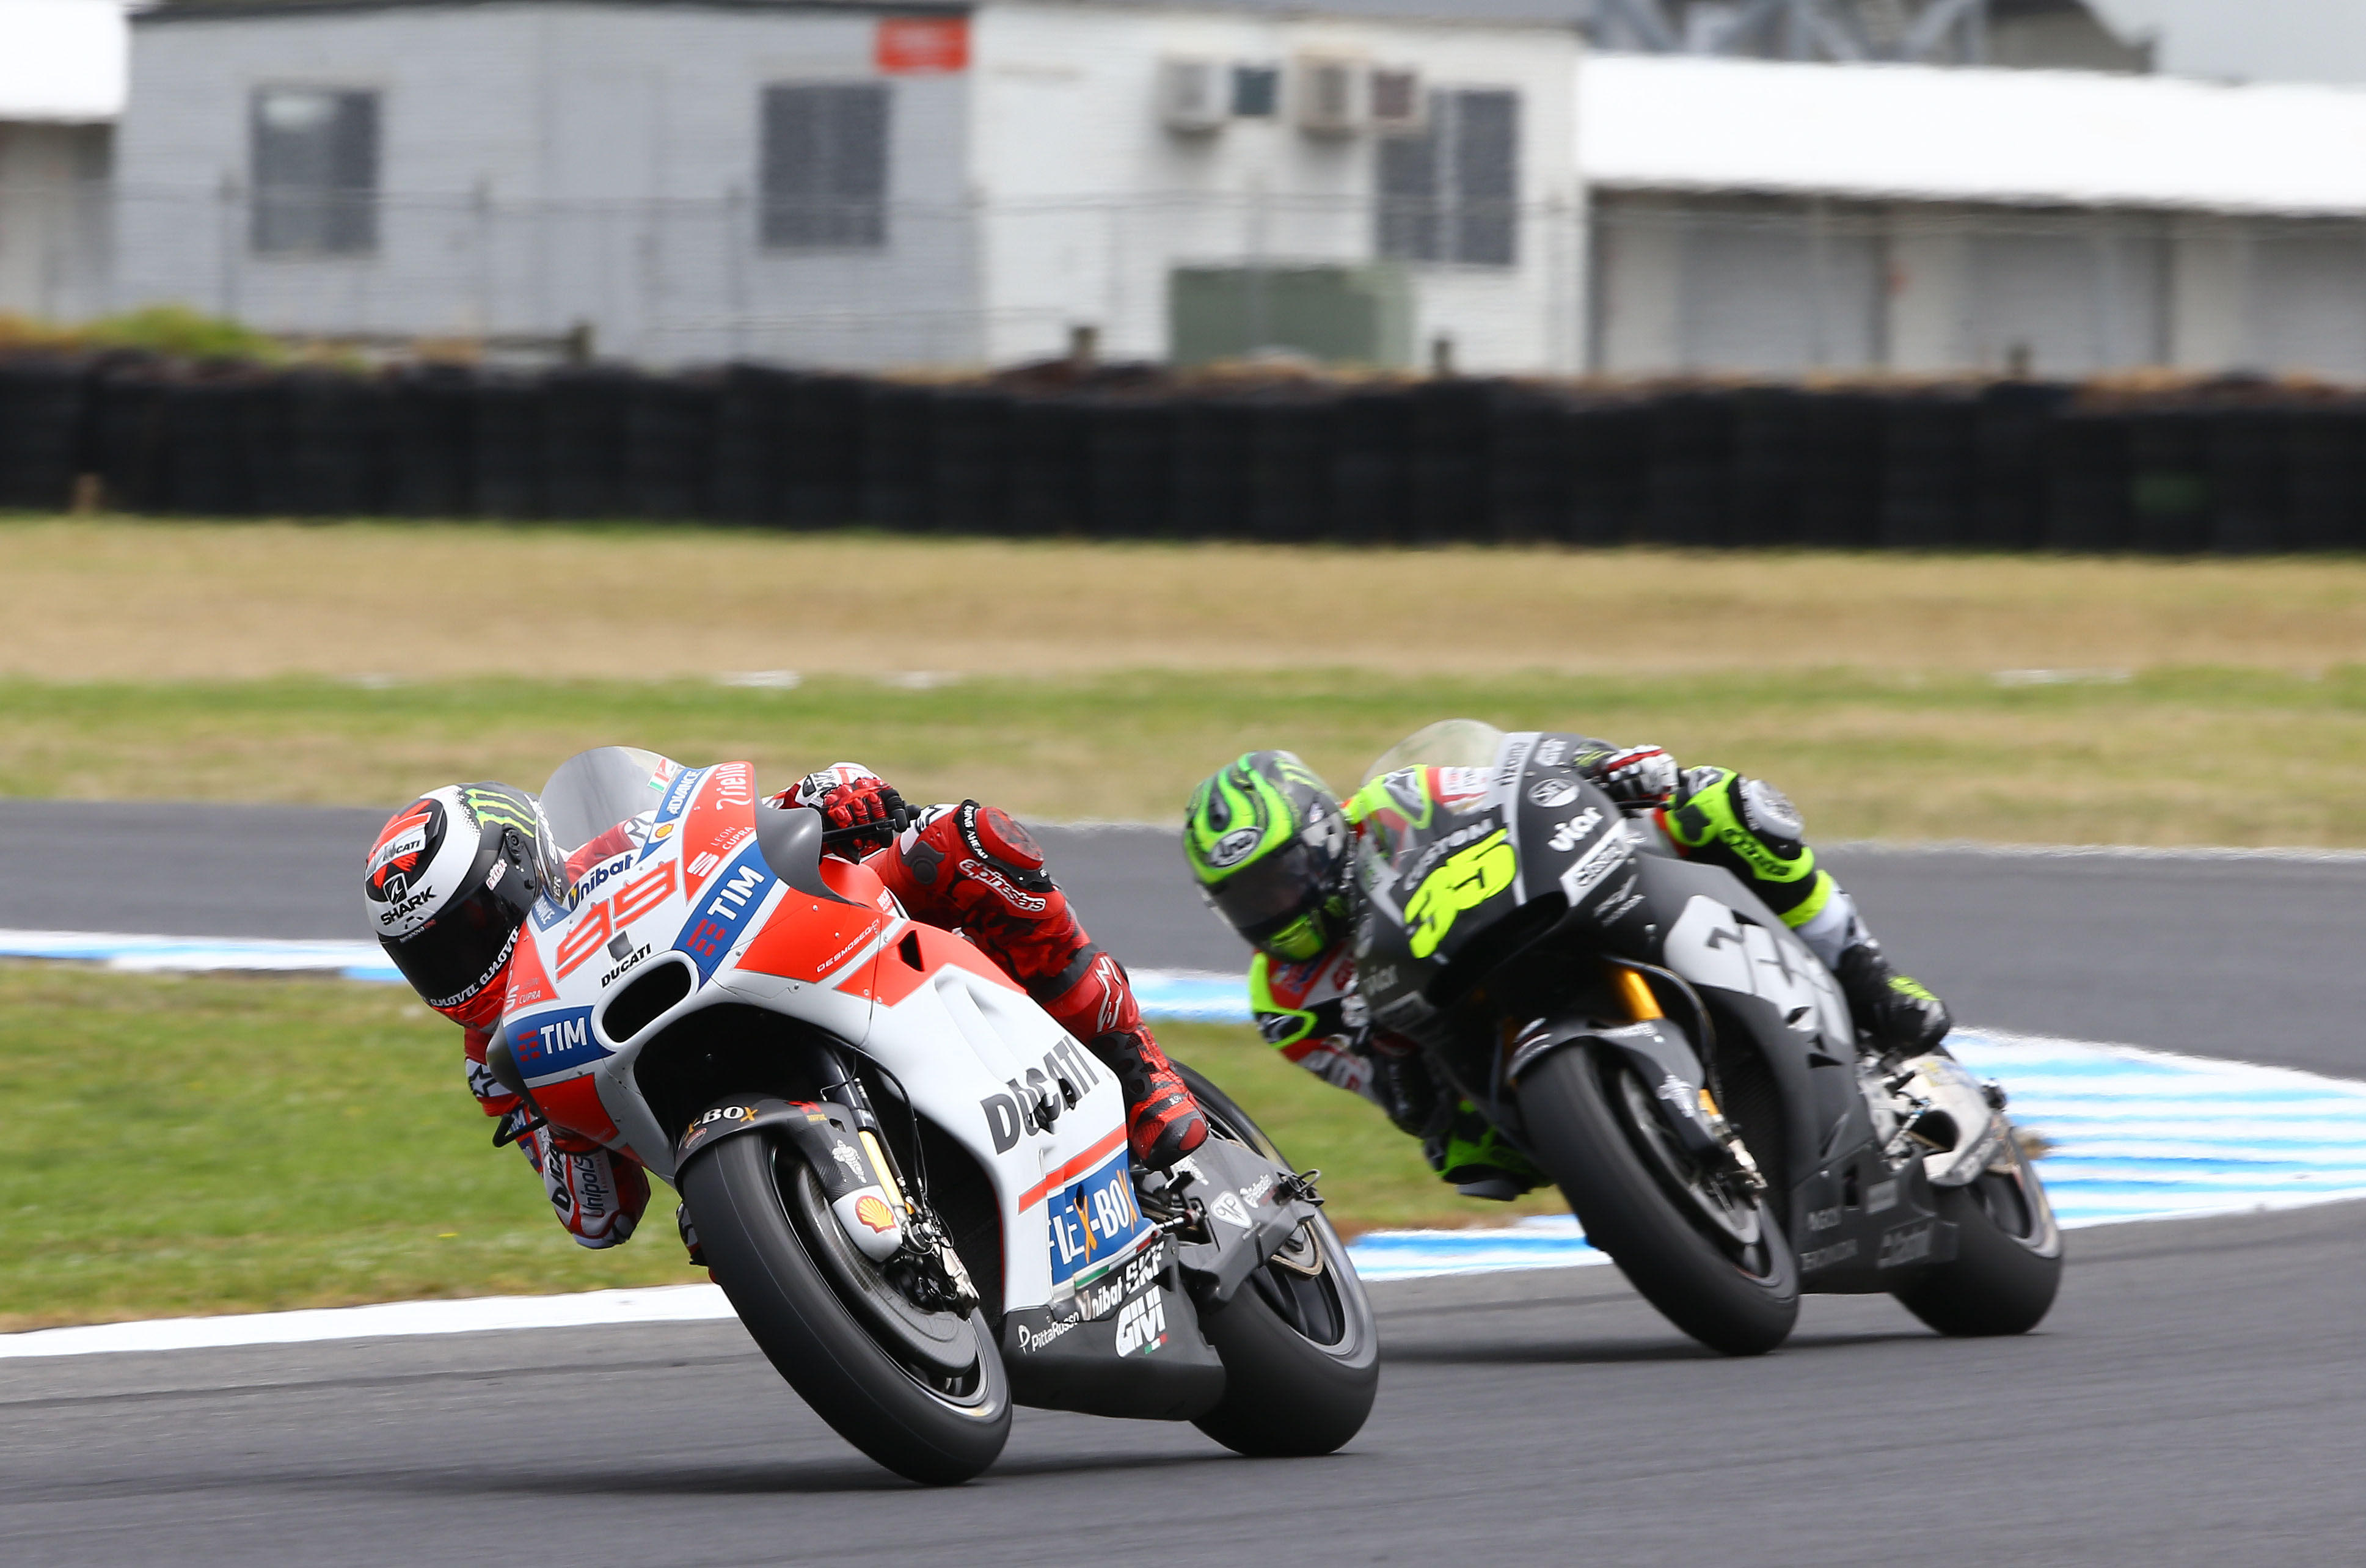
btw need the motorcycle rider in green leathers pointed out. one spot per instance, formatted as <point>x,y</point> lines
<point>1270,846</point>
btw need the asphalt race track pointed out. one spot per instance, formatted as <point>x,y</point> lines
<point>2253,957</point>
<point>2194,1399</point>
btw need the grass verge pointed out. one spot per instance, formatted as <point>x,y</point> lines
<point>193,1144</point>
<point>2144,760</point>
<point>119,599</point>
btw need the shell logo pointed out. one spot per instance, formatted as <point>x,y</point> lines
<point>875,1213</point>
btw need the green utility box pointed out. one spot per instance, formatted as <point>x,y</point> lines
<point>1358,315</point>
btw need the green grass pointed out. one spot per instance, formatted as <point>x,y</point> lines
<point>2170,756</point>
<point>204,1144</point>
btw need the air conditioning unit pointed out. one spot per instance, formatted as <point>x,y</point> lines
<point>1399,107</point>
<point>1329,95</point>
<point>1194,95</point>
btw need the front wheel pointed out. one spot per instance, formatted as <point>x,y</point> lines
<point>1300,1353</point>
<point>2008,1260</point>
<point>1708,1254</point>
<point>924,1394</point>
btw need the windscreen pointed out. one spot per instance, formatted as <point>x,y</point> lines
<point>1449,743</point>
<point>594,790</point>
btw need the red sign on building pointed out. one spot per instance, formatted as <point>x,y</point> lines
<point>918,46</point>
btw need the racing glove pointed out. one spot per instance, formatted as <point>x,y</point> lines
<point>1638,775</point>
<point>848,795</point>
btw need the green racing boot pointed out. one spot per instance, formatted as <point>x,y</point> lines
<point>1474,1157</point>
<point>1896,1016</point>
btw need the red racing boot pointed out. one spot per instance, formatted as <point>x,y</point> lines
<point>1162,1120</point>
<point>1163,1123</point>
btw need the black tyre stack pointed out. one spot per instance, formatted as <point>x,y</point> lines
<point>821,454</point>
<point>1689,488</point>
<point>1930,471</point>
<point>2325,458</point>
<point>43,404</point>
<point>506,447</point>
<point>670,441</point>
<point>2236,467</point>
<point>750,482</point>
<point>430,450</point>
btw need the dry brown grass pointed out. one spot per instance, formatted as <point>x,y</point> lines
<point>146,601</point>
<point>191,661</point>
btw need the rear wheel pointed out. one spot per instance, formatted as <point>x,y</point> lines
<point>2007,1261</point>
<point>1702,1249</point>
<point>1300,1353</point>
<point>924,1394</point>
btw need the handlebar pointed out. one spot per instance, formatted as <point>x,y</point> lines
<point>894,822</point>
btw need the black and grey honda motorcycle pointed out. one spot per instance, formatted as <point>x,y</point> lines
<point>1654,1038</point>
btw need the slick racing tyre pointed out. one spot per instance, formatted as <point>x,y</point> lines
<point>924,1394</point>
<point>1301,1354</point>
<point>2008,1260</point>
<point>1711,1258</point>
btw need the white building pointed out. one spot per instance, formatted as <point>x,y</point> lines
<point>859,185</point>
<point>867,185</point>
<point>61,66</point>
<point>1757,216</point>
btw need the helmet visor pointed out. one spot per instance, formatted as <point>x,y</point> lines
<point>463,950</point>
<point>1263,896</point>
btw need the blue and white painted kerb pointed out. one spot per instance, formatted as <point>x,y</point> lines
<point>351,960</point>
<point>1164,993</point>
<point>2132,1134</point>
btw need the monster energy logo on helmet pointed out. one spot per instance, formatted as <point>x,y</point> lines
<point>499,803</point>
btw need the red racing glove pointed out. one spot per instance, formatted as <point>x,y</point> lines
<point>850,795</point>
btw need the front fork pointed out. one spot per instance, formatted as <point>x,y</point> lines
<point>1635,992</point>
<point>925,1266</point>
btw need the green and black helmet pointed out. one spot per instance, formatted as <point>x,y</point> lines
<point>1268,845</point>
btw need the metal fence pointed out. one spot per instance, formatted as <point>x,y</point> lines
<point>916,283</point>
<point>1634,283</point>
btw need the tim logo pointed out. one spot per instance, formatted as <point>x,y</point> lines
<point>554,1042</point>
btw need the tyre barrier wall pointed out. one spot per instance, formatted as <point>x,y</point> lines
<point>2235,467</point>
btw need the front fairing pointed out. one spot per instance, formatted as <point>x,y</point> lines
<point>1458,867</point>
<point>677,908</point>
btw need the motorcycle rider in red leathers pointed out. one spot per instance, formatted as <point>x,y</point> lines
<point>966,868</point>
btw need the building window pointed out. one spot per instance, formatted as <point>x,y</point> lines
<point>1451,193</point>
<point>825,175</point>
<point>1257,91</point>
<point>315,167</point>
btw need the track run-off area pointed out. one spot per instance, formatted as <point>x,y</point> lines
<point>2193,1398</point>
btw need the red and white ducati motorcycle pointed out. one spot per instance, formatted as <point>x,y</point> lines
<point>911,1183</point>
